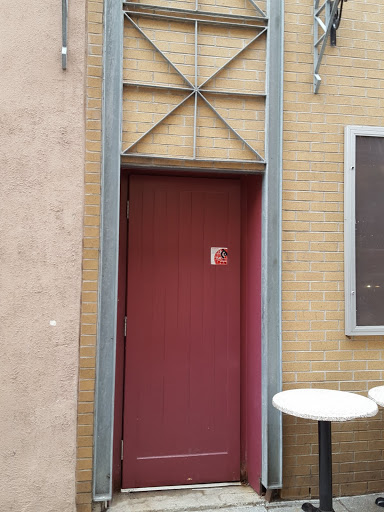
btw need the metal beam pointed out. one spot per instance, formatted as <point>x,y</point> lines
<point>196,83</point>
<point>195,160</point>
<point>228,92</point>
<point>205,91</point>
<point>271,252</point>
<point>109,245</point>
<point>64,26</point>
<point>206,14</point>
<point>212,169</point>
<point>191,19</point>
<point>156,86</point>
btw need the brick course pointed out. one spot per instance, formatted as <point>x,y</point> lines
<point>90,259</point>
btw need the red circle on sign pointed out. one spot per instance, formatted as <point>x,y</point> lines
<point>220,257</point>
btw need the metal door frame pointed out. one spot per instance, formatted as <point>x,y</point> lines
<point>109,248</point>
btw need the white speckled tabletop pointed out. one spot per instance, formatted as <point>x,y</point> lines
<point>324,404</point>
<point>377,394</point>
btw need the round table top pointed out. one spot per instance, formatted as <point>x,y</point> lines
<point>324,404</point>
<point>377,394</point>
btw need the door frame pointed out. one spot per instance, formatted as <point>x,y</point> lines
<point>250,322</point>
<point>271,251</point>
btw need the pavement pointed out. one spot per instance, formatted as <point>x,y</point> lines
<point>227,499</point>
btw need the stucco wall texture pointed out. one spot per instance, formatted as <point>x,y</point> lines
<point>41,210</point>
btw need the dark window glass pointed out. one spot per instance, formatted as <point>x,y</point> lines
<point>369,230</point>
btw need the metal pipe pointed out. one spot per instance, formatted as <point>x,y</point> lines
<point>325,466</point>
<point>325,470</point>
<point>64,25</point>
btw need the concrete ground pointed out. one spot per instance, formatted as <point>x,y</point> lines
<point>226,499</point>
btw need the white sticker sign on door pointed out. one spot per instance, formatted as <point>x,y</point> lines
<point>219,255</point>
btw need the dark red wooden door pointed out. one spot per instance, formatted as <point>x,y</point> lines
<point>182,368</point>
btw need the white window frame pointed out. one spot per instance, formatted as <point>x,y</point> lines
<point>350,134</point>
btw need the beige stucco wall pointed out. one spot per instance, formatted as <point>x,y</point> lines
<point>41,211</point>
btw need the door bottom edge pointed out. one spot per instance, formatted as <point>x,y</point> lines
<point>181,487</point>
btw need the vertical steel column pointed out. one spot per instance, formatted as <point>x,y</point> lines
<point>271,251</point>
<point>109,245</point>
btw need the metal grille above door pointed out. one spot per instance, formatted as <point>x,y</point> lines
<point>195,81</point>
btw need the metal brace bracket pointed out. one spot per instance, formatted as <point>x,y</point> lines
<point>64,23</point>
<point>329,24</point>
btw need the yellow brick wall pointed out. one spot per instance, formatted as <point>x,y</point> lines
<point>90,258</point>
<point>315,350</point>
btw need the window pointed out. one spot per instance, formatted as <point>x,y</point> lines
<point>364,230</point>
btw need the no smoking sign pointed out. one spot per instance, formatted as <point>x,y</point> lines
<point>219,255</point>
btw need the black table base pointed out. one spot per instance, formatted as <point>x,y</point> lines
<point>325,470</point>
<point>380,501</point>
<point>308,507</point>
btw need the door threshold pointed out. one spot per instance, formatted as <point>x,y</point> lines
<point>180,487</point>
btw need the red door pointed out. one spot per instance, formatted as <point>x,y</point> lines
<point>182,368</point>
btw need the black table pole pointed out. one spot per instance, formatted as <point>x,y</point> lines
<point>325,466</point>
<point>325,470</point>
